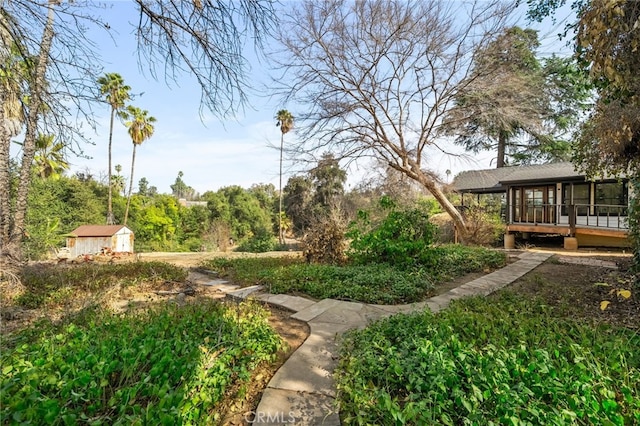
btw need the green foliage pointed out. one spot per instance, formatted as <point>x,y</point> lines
<point>430,205</point>
<point>261,243</point>
<point>154,221</point>
<point>298,194</point>
<point>504,360</point>
<point>328,180</point>
<point>169,365</point>
<point>241,209</point>
<point>56,207</point>
<point>194,224</point>
<point>399,239</point>
<point>249,271</point>
<point>375,283</point>
<point>371,283</point>
<point>52,284</point>
<point>310,198</point>
<point>539,101</point>
<point>449,261</point>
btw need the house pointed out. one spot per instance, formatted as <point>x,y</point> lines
<point>186,203</point>
<point>93,239</point>
<point>555,199</point>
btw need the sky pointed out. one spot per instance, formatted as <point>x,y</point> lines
<point>213,153</point>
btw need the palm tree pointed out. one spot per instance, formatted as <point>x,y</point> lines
<point>117,93</point>
<point>49,159</point>
<point>140,127</point>
<point>285,122</point>
<point>118,182</point>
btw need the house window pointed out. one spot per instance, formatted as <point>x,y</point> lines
<point>580,198</point>
<point>611,198</point>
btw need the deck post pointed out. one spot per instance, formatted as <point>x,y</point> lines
<point>572,219</point>
<point>509,241</point>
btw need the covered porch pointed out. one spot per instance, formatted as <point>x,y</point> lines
<point>555,199</point>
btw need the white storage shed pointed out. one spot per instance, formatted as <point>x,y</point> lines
<point>94,239</point>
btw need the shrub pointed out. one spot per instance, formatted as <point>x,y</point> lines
<point>259,243</point>
<point>398,240</point>
<point>248,271</point>
<point>485,228</point>
<point>325,242</point>
<point>370,283</point>
<point>375,283</point>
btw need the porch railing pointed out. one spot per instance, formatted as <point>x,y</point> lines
<point>581,215</point>
<point>599,215</point>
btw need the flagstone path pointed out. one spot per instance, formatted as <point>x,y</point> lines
<point>303,391</point>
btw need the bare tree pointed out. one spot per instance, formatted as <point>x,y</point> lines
<point>204,38</point>
<point>378,76</point>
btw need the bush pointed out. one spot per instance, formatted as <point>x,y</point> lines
<point>325,240</point>
<point>248,271</point>
<point>259,243</point>
<point>449,261</point>
<point>398,240</point>
<point>485,228</point>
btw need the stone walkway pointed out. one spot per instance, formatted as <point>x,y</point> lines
<point>303,392</point>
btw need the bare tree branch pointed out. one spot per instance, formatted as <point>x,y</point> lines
<point>378,76</point>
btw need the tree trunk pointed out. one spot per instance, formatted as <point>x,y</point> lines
<point>5,175</point>
<point>415,173</point>
<point>448,207</point>
<point>110,218</point>
<point>133,162</point>
<point>280,236</point>
<point>11,252</point>
<point>502,149</point>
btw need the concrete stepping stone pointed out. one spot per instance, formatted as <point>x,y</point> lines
<point>317,308</point>
<point>588,262</point>
<point>293,303</point>
<point>243,293</point>
<point>302,409</point>
<point>310,368</point>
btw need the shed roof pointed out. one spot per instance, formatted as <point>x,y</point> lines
<point>96,230</point>
<point>492,180</point>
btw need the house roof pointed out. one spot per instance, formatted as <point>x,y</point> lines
<point>96,230</point>
<point>493,180</point>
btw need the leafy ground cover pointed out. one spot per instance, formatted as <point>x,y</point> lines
<point>167,365</point>
<point>366,282</point>
<point>540,352</point>
<point>96,344</point>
